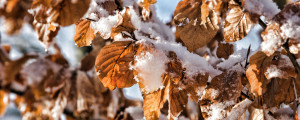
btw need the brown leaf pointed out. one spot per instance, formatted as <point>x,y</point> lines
<point>221,93</point>
<point>45,35</point>
<point>279,91</point>
<point>225,50</point>
<point>237,24</point>
<point>113,62</point>
<point>189,28</point>
<point>63,12</point>
<point>153,102</point>
<point>13,68</point>
<point>4,102</point>
<point>124,24</point>
<point>88,62</point>
<point>211,6</point>
<point>262,65</point>
<point>85,92</point>
<point>84,33</point>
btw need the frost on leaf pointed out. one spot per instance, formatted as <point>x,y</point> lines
<point>262,68</point>
<point>84,33</point>
<point>237,23</point>
<point>224,50</point>
<point>189,28</point>
<point>113,62</point>
<point>4,102</point>
<point>221,95</point>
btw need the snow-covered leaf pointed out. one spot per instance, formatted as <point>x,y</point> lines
<point>262,68</point>
<point>221,95</point>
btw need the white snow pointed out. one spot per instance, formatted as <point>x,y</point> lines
<point>95,10</point>
<point>291,26</point>
<point>104,25</point>
<point>217,111</point>
<point>239,109</point>
<point>2,3</point>
<point>237,57</point>
<point>150,67</point>
<point>275,70</point>
<point>266,8</point>
<point>272,40</point>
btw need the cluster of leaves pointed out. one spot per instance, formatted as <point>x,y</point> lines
<point>46,87</point>
<point>198,61</point>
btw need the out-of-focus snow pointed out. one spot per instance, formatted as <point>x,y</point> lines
<point>266,8</point>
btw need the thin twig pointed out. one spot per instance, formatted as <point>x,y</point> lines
<point>292,57</point>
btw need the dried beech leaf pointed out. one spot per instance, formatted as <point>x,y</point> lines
<point>13,68</point>
<point>85,93</point>
<point>4,102</point>
<point>88,62</point>
<point>188,24</point>
<point>153,103</point>
<point>124,24</point>
<point>224,50</point>
<point>211,5</point>
<point>113,62</point>
<point>63,12</point>
<point>279,91</point>
<point>84,33</point>
<point>261,67</point>
<point>237,24</point>
<point>46,36</point>
<point>221,93</point>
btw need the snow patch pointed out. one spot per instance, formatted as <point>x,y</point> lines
<point>266,8</point>
<point>150,67</point>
